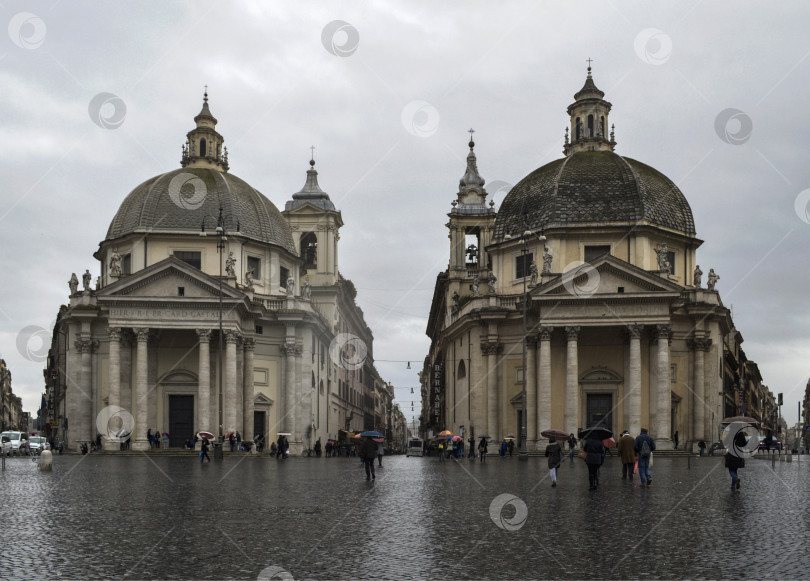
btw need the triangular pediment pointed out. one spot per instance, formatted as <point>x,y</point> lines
<point>606,275</point>
<point>261,399</point>
<point>164,279</point>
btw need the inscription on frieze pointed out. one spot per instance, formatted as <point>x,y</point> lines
<point>188,314</point>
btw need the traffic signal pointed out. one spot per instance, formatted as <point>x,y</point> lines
<point>780,399</point>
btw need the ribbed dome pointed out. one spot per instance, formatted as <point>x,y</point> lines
<point>594,187</point>
<point>178,201</point>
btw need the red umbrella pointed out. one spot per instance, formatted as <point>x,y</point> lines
<point>206,435</point>
<point>609,443</point>
<point>456,439</point>
<point>378,440</point>
<point>228,435</point>
<point>556,434</point>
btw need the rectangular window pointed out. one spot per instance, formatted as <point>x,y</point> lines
<point>283,275</point>
<point>259,330</point>
<point>181,291</point>
<point>523,264</point>
<point>519,375</point>
<point>594,252</point>
<point>671,259</point>
<point>256,265</point>
<point>126,264</point>
<point>192,258</point>
<point>673,373</point>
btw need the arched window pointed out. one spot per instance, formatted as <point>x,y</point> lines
<point>313,380</point>
<point>202,147</point>
<point>590,125</point>
<point>602,126</point>
<point>578,128</point>
<point>309,249</point>
<point>462,370</point>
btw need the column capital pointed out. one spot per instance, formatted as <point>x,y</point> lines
<point>532,341</point>
<point>249,343</point>
<point>699,343</point>
<point>94,344</point>
<point>662,332</point>
<point>115,333</point>
<point>634,331</point>
<point>231,336</point>
<point>141,333</point>
<point>572,333</point>
<point>291,349</point>
<point>83,345</point>
<point>544,334</point>
<point>204,335</point>
<point>491,347</point>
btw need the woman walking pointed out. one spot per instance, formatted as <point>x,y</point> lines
<point>572,443</point>
<point>554,453</point>
<point>735,460</point>
<point>593,448</point>
<point>482,449</point>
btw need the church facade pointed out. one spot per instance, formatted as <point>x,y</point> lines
<point>584,287</point>
<point>217,312</point>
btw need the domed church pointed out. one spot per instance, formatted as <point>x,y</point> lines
<point>621,328</point>
<point>214,312</point>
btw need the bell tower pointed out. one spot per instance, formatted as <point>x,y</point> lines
<point>589,120</point>
<point>471,226</point>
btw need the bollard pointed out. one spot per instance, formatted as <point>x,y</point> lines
<point>788,457</point>
<point>689,462</point>
<point>45,461</point>
<point>773,460</point>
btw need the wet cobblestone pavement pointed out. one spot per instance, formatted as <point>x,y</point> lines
<point>97,517</point>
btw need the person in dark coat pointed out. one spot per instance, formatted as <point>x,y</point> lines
<point>482,449</point>
<point>594,448</point>
<point>368,451</point>
<point>554,453</point>
<point>204,451</point>
<point>644,459</point>
<point>627,455</point>
<point>735,460</point>
<point>572,443</point>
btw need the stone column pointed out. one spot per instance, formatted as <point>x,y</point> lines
<point>530,377</point>
<point>634,381</point>
<point>491,349</point>
<point>81,426</point>
<point>204,383</point>
<point>125,350</point>
<point>663,437</point>
<point>248,344</point>
<point>544,381</point>
<point>231,339</point>
<point>140,442</point>
<point>699,347</point>
<point>571,381</point>
<point>287,420</point>
<point>114,393</point>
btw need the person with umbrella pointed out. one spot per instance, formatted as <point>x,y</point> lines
<point>554,453</point>
<point>368,451</point>
<point>572,444</point>
<point>204,451</point>
<point>734,458</point>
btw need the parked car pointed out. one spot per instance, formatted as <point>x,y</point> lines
<point>5,442</point>
<point>776,443</point>
<point>15,439</point>
<point>37,444</point>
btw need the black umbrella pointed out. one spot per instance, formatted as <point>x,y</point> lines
<point>601,433</point>
<point>485,437</point>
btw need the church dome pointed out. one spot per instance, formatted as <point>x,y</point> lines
<point>594,187</point>
<point>179,200</point>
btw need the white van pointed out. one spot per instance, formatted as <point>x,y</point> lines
<point>12,441</point>
<point>415,447</point>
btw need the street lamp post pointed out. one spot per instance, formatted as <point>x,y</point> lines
<point>524,251</point>
<point>222,237</point>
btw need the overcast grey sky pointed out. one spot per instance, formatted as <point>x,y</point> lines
<point>386,96</point>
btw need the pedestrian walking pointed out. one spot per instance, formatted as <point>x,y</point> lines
<point>318,448</point>
<point>735,460</point>
<point>482,449</point>
<point>594,449</point>
<point>273,450</point>
<point>510,447</point>
<point>150,438</point>
<point>644,447</point>
<point>232,441</point>
<point>675,439</point>
<point>368,451</point>
<point>502,451</point>
<point>627,455</point>
<point>702,447</point>
<point>204,451</point>
<point>572,443</point>
<point>554,453</point>
<point>238,441</point>
<point>380,452</point>
<point>441,451</point>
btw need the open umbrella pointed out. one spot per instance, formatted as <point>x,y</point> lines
<point>372,434</point>
<point>507,438</point>
<point>279,433</point>
<point>485,437</point>
<point>229,434</point>
<point>609,443</point>
<point>601,432</point>
<point>556,434</point>
<point>206,435</point>
<point>445,433</point>
<point>740,419</point>
<point>378,440</point>
<point>457,438</point>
